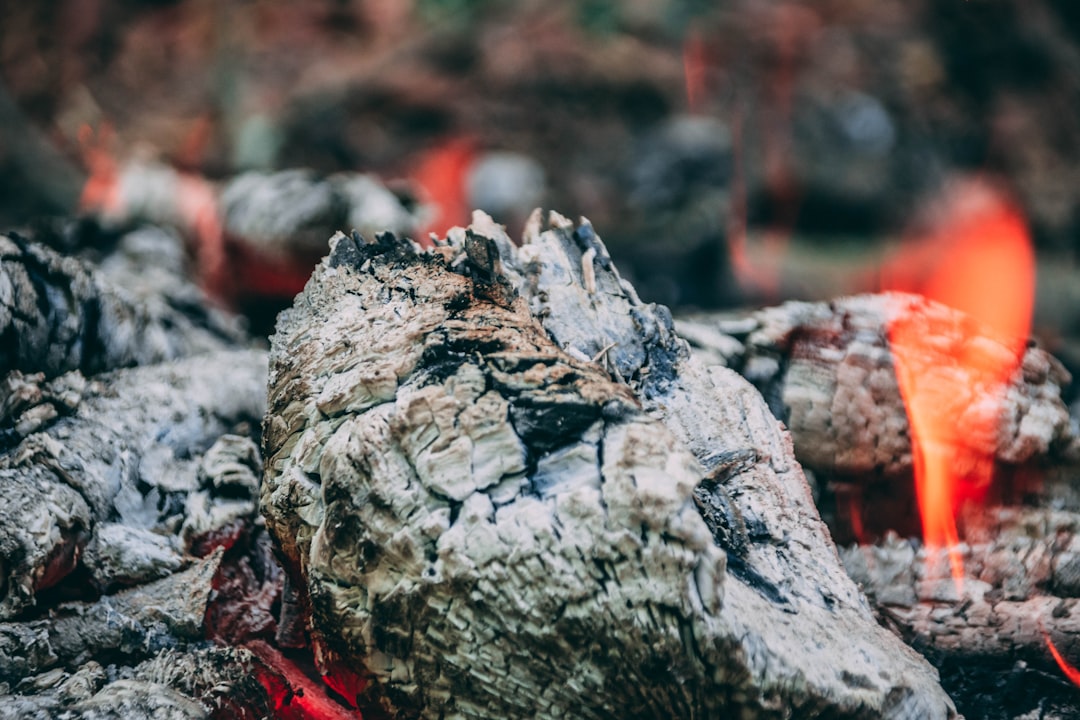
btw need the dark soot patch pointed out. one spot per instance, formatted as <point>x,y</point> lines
<point>547,426</point>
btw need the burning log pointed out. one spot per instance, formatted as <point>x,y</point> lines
<point>991,637</point>
<point>197,683</point>
<point>256,232</point>
<point>133,622</point>
<point>122,448</point>
<point>827,370</point>
<point>508,490</point>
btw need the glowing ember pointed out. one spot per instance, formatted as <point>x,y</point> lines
<point>295,695</point>
<point>194,205</point>
<point>979,261</point>
<point>102,189</point>
<point>1066,667</point>
<point>197,203</point>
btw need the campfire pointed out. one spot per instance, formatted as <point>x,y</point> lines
<point>310,411</point>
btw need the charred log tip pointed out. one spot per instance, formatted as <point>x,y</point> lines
<point>483,257</point>
<point>353,250</point>
<point>485,267</point>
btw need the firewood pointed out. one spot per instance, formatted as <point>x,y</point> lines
<point>510,491</point>
<point>280,214</point>
<point>826,370</point>
<point>125,449</point>
<point>59,314</point>
<point>135,622</point>
<point>1020,590</point>
<point>213,682</point>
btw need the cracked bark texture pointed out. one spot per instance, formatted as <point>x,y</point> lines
<point>59,314</point>
<point>120,475</point>
<point>827,371</point>
<point>509,491</point>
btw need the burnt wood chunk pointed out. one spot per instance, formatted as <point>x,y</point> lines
<point>508,490</point>
<point>124,479</point>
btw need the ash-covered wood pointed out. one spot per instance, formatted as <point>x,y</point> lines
<point>1022,575</point>
<point>58,314</point>
<point>827,371</point>
<point>1021,588</point>
<point>224,683</point>
<point>295,211</point>
<point>509,491</point>
<point>129,624</point>
<point>116,469</point>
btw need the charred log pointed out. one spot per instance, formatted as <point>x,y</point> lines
<point>130,624</point>
<point>223,683</point>
<point>114,481</point>
<point>508,490</point>
<point>58,314</point>
<point>281,214</point>
<point>989,635</point>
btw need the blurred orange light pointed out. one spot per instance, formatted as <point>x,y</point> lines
<point>101,192</point>
<point>694,66</point>
<point>441,175</point>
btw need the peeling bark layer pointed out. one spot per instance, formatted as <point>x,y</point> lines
<point>509,491</point>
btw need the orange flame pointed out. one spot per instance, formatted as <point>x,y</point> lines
<point>982,264</point>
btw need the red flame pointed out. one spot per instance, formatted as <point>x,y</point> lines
<point>979,261</point>
<point>441,175</point>
<point>1066,667</point>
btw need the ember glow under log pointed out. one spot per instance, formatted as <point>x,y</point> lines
<point>508,490</point>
